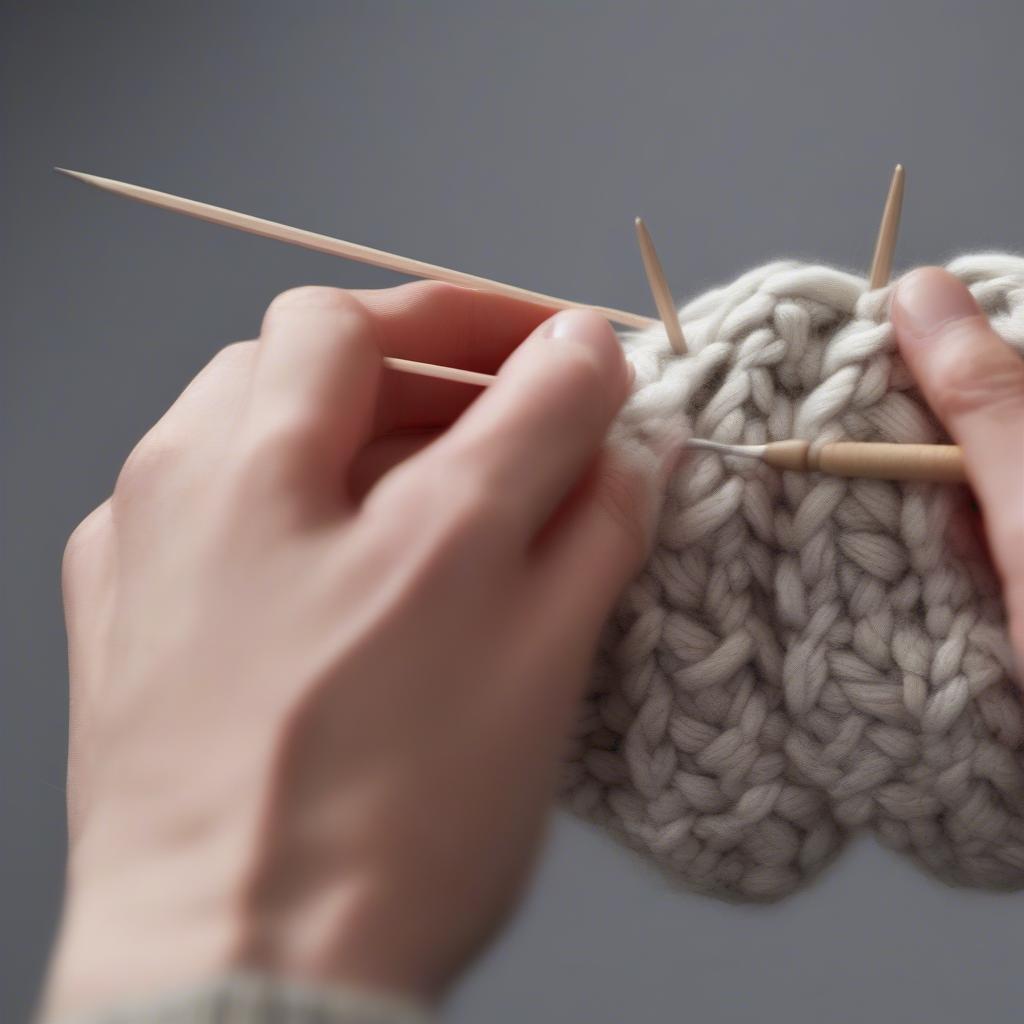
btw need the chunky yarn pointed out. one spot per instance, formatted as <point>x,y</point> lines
<point>804,656</point>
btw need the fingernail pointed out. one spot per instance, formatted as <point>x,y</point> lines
<point>929,298</point>
<point>577,324</point>
<point>592,333</point>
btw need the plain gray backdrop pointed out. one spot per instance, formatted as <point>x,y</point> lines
<point>516,141</point>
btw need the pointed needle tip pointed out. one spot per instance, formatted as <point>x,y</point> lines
<point>885,243</point>
<point>77,175</point>
<point>660,289</point>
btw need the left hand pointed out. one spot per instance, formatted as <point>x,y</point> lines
<point>327,638</point>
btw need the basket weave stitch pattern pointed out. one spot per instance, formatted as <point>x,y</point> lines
<point>804,656</point>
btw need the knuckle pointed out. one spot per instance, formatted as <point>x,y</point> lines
<point>317,297</point>
<point>274,450</point>
<point>84,539</point>
<point>238,353</point>
<point>464,501</point>
<point>157,452</point>
<point>465,317</point>
<point>969,374</point>
<point>431,293</point>
<point>480,506</point>
<point>282,456</point>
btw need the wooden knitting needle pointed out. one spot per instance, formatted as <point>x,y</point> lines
<point>881,263</point>
<point>348,250</point>
<point>659,288</point>
<point>482,380</point>
<point>938,463</point>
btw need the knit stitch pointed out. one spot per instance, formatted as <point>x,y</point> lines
<point>804,656</point>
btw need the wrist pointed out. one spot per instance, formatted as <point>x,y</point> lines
<point>120,941</point>
<point>355,930</point>
<point>159,927</point>
<point>106,957</point>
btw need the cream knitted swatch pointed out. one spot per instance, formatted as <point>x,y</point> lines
<point>804,656</point>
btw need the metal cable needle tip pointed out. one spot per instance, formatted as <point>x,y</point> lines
<point>751,451</point>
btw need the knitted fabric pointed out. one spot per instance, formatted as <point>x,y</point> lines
<point>804,656</point>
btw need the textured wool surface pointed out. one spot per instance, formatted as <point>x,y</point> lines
<point>804,656</point>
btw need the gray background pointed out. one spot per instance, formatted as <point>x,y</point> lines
<point>517,142</point>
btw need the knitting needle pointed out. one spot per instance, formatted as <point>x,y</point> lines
<point>938,463</point>
<point>482,380</point>
<point>881,264</point>
<point>337,247</point>
<point>659,288</point>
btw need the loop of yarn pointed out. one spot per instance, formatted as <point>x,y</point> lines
<point>804,656</point>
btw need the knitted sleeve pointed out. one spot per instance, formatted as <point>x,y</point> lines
<point>259,999</point>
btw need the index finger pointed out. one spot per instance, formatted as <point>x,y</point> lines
<point>439,323</point>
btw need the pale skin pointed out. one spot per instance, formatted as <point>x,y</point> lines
<point>328,635</point>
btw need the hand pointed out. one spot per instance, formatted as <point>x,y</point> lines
<point>327,638</point>
<point>974,382</point>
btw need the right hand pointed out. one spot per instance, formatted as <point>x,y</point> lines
<point>974,382</point>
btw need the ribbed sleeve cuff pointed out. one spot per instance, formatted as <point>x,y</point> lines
<point>259,999</point>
